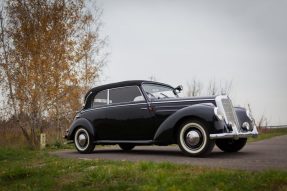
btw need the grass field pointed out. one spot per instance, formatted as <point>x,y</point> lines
<point>37,170</point>
<point>267,133</point>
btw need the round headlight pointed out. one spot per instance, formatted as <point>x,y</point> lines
<point>246,126</point>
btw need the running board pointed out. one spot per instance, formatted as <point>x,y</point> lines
<point>140,142</point>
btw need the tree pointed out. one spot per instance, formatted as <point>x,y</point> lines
<point>152,78</point>
<point>262,123</point>
<point>223,88</point>
<point>50,53</point>
<point>212,88</point>
<point>194,88</point>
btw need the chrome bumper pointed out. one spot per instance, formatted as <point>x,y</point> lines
<point>235,134</point>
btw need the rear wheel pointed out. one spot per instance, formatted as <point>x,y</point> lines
<point>193,138</point>
<point>126,146</point>
<point>83,141</point>
<point>231,145</point>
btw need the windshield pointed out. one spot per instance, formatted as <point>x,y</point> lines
<point>155,91</point>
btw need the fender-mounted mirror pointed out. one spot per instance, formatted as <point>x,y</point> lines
<point>178,89</point>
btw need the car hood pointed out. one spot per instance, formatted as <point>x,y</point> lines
<point>183,99</point>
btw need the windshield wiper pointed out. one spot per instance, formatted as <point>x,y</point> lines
<point>152,96</point>
<point>164,95</point>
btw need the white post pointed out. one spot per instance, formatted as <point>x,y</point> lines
<point>42,140</point>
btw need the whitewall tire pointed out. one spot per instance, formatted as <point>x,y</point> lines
<point>83,141</point>
<point>193,139</point>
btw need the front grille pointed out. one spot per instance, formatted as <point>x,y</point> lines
<point>229,112</point>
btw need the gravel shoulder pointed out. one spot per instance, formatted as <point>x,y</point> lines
<point>261,155</point>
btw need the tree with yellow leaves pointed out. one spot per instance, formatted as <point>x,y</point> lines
<point>50,54</point>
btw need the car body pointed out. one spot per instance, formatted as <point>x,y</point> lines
<point>139,112</point>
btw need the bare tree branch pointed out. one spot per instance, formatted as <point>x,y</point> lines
<point>194,88</point>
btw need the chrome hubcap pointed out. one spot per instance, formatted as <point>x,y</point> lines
<point>192,138</point>
<point>82,140</point>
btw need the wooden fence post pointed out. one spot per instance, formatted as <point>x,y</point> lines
<point>42,140</point>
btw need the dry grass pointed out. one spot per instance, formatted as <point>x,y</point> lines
<point>13,137</point>
<point>267,133</point>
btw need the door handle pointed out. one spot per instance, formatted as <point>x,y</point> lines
<point>149,108</point>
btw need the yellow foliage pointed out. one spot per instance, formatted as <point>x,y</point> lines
<point>51,57</point>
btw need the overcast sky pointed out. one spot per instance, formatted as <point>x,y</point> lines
<point>176,41</point>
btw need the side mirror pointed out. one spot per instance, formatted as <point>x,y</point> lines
<point>178,89</point>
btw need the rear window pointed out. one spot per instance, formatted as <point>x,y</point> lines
<point>100,99</point>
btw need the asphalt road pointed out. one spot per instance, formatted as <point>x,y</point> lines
<point>261,155</point>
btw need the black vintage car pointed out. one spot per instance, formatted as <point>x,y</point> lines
<point>132,113</point>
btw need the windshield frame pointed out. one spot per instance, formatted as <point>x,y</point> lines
<point>159,84</point>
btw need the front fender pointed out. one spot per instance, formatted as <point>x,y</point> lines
<point>242,117</point>
<point>80,122</point>
<point>165,132</point>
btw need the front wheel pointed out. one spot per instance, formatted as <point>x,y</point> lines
<point>231,145</point>
<point>193,139</point>
<point>83,141</point>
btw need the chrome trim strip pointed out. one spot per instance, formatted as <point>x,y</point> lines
<point>172,106</point>
<point>124,141</point>
<point>166,110</point>
<point>183,101</point>
<point>111,106</point>
<point>108,96</point>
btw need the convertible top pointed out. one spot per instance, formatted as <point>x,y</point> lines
<point>120,84</point>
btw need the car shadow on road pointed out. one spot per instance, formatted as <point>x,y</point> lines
<point>141,152</point>
<point>170,153</point>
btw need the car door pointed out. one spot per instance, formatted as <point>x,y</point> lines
<point>127,115</point>
<point>96,113</point>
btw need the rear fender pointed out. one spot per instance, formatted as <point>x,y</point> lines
<point>80,122</point>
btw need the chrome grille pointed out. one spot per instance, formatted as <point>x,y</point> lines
<point>229,112</point>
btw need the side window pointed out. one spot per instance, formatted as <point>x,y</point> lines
<point>100,99</point>
<point>125,94</point>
